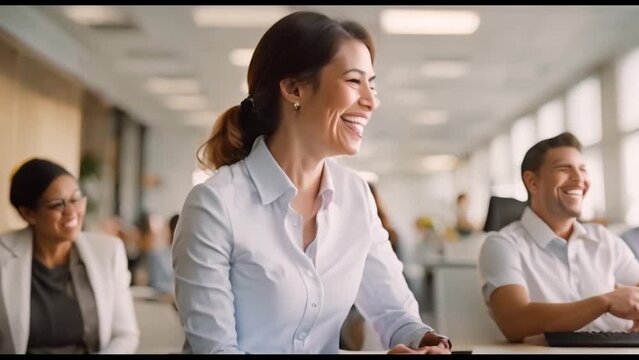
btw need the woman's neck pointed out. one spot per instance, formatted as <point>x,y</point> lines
<point>303,168</point>
<point>51,252</point>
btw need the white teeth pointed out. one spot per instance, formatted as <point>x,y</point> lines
<point>359,128</point>
<point>575,192</point>
<point>356,119</point>
<point>72,223</point>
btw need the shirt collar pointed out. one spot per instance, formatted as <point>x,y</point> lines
<point>580,231</point>
<point>272,182</point>
<point>269,179</point>
<point>543,234</point>
<point>327,188</point>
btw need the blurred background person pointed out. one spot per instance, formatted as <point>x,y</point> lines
<point>464,225</point>
<point>381,212</point>
<point>69,290</point>
<point>146,234</point>
<point>160,268</point>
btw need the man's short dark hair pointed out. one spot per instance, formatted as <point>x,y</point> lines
<point>535,156</point>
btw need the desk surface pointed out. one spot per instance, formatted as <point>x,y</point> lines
<point>508,348</point>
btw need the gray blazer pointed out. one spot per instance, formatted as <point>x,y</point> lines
<point>106,265</point>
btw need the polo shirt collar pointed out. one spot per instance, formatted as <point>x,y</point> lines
<point>542,234</point>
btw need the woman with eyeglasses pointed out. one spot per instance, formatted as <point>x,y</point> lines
<point>62,290</point>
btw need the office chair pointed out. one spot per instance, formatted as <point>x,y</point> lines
<point>502,211</point>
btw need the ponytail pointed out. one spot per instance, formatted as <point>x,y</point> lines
<point>224,146</point>
<point>232,136</point>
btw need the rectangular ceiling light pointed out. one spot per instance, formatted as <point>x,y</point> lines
<point>445,69</point>
<point>431,117</point>
<point>429,22</point>
<point>94,15</point>
<point>170,86</point>
<point>186,102</point>
<point>151,62</point>
<point>241,57</point>
<point>238,16</point>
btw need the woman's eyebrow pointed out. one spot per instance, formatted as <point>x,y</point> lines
<point>361,72</point>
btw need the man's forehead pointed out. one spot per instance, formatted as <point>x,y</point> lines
<point>562,154</point>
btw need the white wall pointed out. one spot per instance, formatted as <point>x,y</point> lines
<point>170,155</point>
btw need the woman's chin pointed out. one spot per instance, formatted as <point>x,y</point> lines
<point>70,234</point>
<point>352,148</point>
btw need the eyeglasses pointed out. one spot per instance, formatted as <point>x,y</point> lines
<point>77,200</point>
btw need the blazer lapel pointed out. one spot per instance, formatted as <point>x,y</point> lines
<point>97,284</point>
<point>16,259</point>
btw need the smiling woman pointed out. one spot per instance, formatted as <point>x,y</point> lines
<point>272,251</point>
<point>64,290</point>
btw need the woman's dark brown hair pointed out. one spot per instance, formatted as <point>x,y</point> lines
<point>297,46</point>
<point>31,180</point>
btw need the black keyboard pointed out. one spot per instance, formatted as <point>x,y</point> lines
<point>592,339</point>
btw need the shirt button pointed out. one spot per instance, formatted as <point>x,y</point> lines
<point>314,305</point>
<point>301,336</point>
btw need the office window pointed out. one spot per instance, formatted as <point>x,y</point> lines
<point>500,166</point>
<point>550,120</point>
<point>629,151</point>
<point>523,137</point>
<point>479,185</point>
<point>583,110</point>
<point>594,204</point>
<point>628,91</point>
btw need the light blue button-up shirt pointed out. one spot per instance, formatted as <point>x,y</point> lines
<point>530,254</point>
<point>244,283</point>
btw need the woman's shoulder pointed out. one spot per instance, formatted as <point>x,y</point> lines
<point>223,178</point>
<point>11,234</point>
<point>100,241</point>
<point>15,239</point>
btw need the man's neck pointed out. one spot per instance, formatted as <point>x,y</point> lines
<point>562,227</point>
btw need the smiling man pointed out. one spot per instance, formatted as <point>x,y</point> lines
<point>548,272</point>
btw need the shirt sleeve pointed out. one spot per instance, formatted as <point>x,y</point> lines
<point>499,264</point>
<point>627,265</point>
<point>201,261</point>
<point>384,298</point>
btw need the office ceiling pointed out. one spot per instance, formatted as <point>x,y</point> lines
<point>519,58</point>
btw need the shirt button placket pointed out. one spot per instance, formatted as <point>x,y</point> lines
<point>310,315</point>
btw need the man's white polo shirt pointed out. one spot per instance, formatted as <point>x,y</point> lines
<point>528,253</point>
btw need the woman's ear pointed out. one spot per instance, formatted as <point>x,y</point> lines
<point>290,90</point>
<point>27,214</point>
